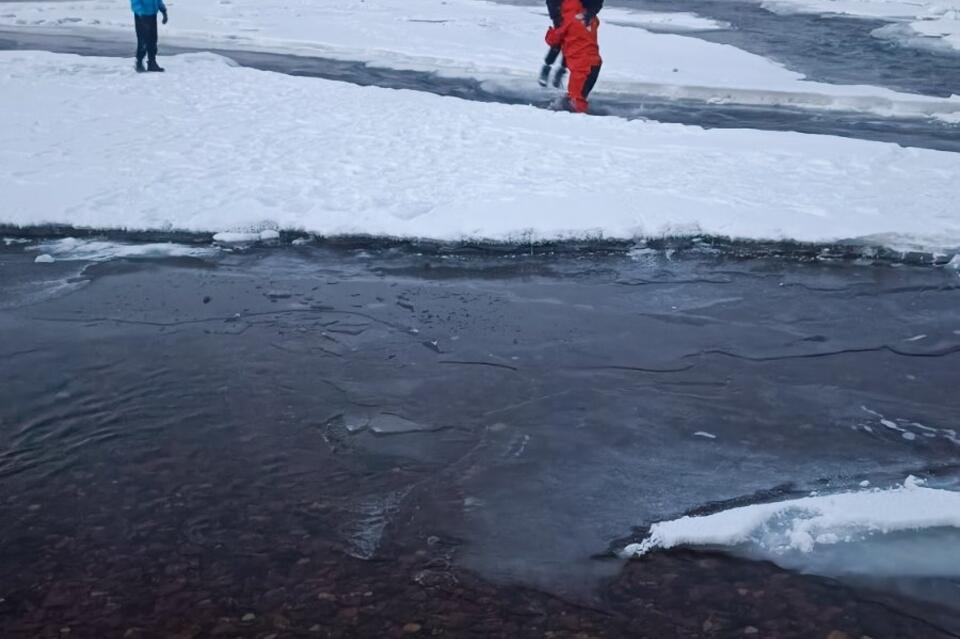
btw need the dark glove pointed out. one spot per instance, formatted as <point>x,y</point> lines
<point>164,17</point>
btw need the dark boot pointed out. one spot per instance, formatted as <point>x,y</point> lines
<point>558,77</point>
<point>544,75</point>
<point>139,66</point>
<point>154,67</point>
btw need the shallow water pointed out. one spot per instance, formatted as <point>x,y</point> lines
<point>516,414</point>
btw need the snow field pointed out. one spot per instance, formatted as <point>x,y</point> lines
<point>491,42</point>
<point>213,147</point>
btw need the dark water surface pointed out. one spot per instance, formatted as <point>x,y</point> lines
<point>281,432</point>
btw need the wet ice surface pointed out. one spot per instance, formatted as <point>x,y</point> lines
<point>836,49</point>
<point>521,413</point>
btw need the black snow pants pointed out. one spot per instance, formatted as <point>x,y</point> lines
<point>591,80</point>
<point>552,56</point>
<point>146,37</point>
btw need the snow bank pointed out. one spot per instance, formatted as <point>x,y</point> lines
<point>804,524</point>
<point>918,23</point>
<point>497,43</point>
<point>210,147</point>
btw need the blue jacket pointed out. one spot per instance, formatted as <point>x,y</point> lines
<point>147,7</point>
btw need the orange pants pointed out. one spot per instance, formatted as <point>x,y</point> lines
<point>580,85</point>
<point>580,51</point>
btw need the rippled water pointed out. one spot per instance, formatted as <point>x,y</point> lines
<point>520,413</point>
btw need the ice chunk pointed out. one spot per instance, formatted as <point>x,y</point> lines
<point>71,248</point>
<point>802,524</point>
<point>390,424</point>
<point>245,237</point>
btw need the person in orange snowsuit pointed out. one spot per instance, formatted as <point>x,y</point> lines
<point>576,35</point>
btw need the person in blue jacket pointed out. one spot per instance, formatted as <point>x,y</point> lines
<point>145,19</point>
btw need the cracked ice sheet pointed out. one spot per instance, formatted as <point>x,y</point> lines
<point>498,43</point>
<point>226,148</point>
<point>919,23</point>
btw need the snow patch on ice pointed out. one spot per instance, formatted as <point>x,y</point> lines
<point>660,22</point>
<point>44,259</point>
<point>932,35</point>
<point>892,426</point>
<point>246,237</point>
<point>390,424</point>
<point>75,249</point>
<point>781,530</point>
<point>903,427</point>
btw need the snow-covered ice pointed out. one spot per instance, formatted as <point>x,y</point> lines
<point>903,427</point>
<point>211,147</point>
<point>662,22</point>
<point>924,23</point>
<point>498,43</point>
<point>784,531</point>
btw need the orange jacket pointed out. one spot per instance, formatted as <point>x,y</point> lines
<point>577,36</point>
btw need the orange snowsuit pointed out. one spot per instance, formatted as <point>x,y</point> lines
<point>577,36</point>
